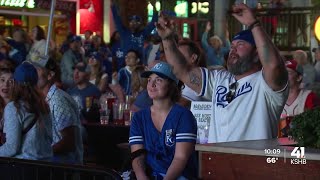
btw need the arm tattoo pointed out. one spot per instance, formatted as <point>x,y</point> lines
<point>194,79</point>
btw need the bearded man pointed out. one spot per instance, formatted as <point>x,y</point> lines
<point>249,97</point>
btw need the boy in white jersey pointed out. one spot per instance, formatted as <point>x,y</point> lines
<point>249,97</point>
<point>299,100</point>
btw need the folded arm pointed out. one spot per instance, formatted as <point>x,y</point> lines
<point>180,160</point>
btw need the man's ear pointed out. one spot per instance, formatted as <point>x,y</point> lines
<point>138,60</point>
<point>194,58</point>
<point>51,74</point>
<point>299,79</point>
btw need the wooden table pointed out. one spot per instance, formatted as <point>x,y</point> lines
<point>249,160</point>
<point>103,140</point>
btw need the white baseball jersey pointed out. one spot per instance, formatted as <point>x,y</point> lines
<point>253,113</point>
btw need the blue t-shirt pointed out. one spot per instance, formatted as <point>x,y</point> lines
<point>180,126</point>
<point>143,100</point>
<point>90,91</point>
<point>18,52</point>
<point>124,79</point>
<point>118,53</point>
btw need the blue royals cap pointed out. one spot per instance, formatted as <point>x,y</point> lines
<point>245,35</point>
<point>96,55</point>
<point>75,38</point>
<point>26,73</point>
<point>135,18</point>
<point>162,69</point>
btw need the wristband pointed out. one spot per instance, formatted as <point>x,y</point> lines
<point>137,153</point>
<point>254,24</point>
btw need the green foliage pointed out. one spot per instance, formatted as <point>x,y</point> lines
<point>316,2</point>
<point>306,128</point>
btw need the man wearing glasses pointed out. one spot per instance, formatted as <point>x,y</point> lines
<point>249,97</point>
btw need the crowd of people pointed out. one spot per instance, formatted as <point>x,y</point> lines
<point>43,97</point>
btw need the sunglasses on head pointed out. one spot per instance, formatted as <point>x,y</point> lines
<point>232,91</point>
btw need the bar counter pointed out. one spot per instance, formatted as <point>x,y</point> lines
<point>257,159</point>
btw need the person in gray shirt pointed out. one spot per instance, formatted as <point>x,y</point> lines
<point>27,124</point>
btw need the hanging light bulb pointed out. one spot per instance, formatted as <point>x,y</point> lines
<point>91,7</point>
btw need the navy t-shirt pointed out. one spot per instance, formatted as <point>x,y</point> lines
<point>90,91</point>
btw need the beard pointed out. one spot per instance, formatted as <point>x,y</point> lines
<point>243,64</point>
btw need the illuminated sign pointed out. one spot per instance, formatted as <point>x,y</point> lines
<point>17,3</point>
<point>317,28</point>
<point>202,7</point>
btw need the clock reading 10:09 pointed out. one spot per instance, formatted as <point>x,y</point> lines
<point>272,151</point>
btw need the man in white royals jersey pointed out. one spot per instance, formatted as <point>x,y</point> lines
<point>249,97</point>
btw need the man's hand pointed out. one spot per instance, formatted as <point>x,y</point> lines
<point>243,14</point>
<point>208,26</point>
<point>165,27</point>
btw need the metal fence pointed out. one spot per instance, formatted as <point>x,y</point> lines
<point>289,28</point>
<point>19,169</point>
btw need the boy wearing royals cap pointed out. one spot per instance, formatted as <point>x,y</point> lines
<point>248,98</point>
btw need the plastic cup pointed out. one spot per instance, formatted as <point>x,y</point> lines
<point>118,109</point>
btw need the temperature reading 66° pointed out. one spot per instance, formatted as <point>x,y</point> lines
<point>272,160</point>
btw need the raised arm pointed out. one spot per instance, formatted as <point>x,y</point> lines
<point>191,76</point>
<point>274,70</point>
<point>117,19</point>
<point>204,39</point>
<point>150,26</point>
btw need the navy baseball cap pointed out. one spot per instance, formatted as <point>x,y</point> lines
<point>245,35</point>
<point>135,18</point>
<point>96,55</point>
<point>82,67</point>
<point>162,69</point>
<point>75,38</point>
<point>26,73</point>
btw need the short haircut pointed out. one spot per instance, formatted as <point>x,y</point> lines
<point>135,52</point>
<point>193,49</point>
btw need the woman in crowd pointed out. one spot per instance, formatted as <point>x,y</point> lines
<point>163,136</point>
<point>6,86</point>
<point>27,124</point>
<point>215,49</point>
<point>97,76</point>
<point>37,50</point>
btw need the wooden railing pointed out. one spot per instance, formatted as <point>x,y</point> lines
<point>289,28</point>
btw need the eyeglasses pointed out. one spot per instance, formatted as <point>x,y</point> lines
<point>232,91</point>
